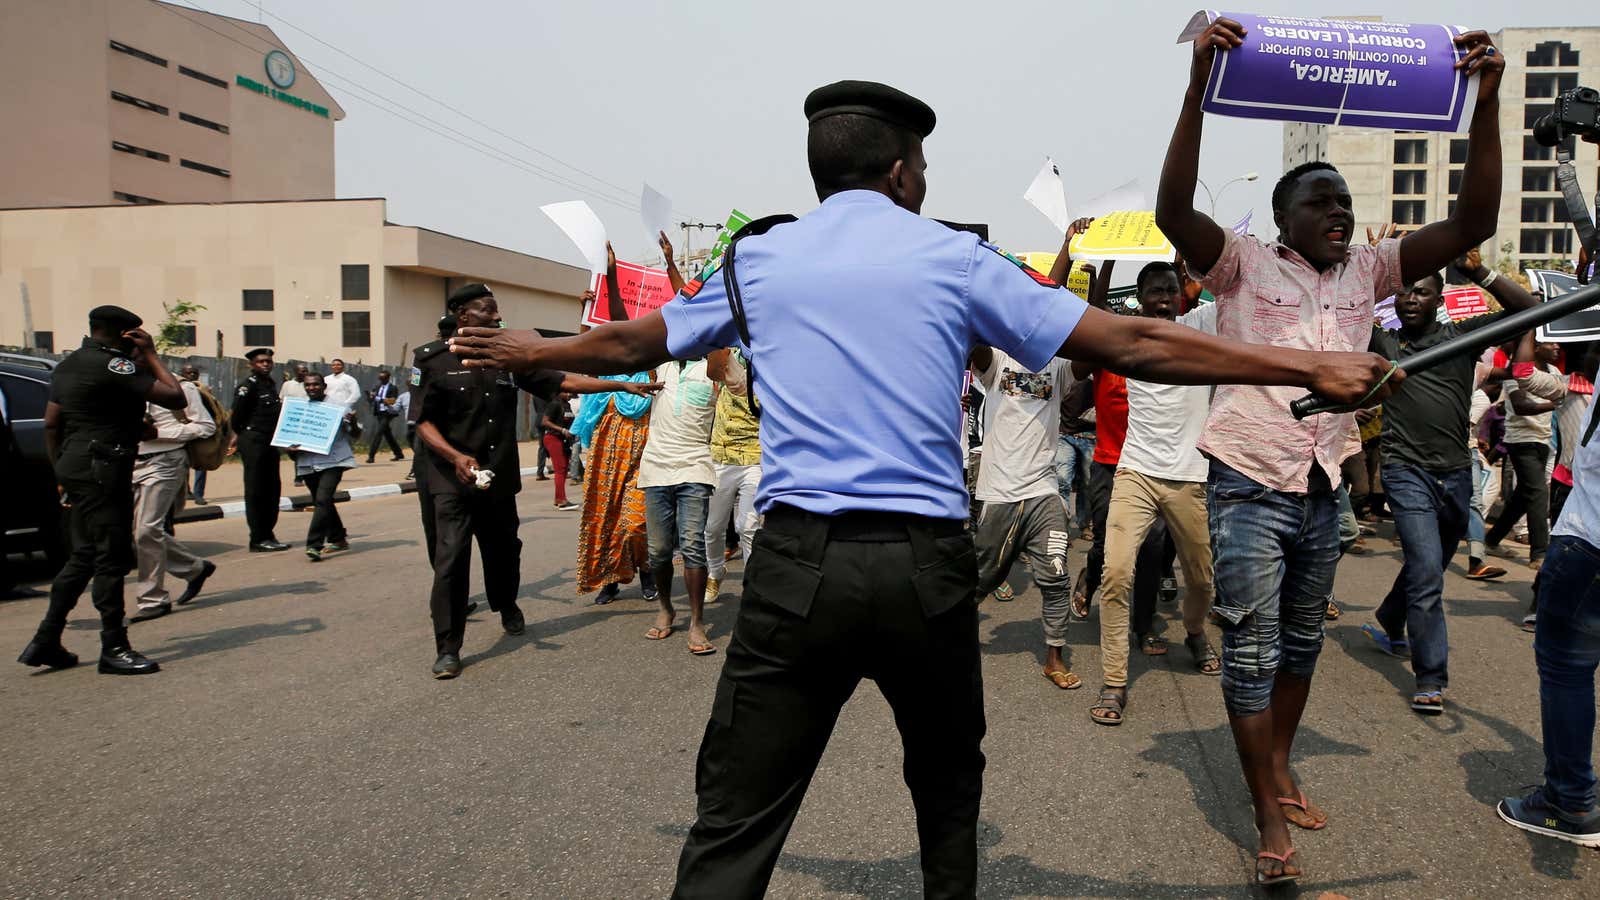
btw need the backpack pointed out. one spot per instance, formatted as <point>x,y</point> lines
<point>208,454</point>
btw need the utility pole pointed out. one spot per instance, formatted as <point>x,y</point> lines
<point>27,318</point>
<point>686,243</point>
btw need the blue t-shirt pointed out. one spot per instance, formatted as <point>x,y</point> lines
<point>861,318</point>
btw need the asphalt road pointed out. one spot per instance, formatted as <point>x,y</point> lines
<point>295,745</point>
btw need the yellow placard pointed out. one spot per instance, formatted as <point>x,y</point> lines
<point>1130,234</point>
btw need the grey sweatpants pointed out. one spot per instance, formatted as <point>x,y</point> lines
<point>1036,530</point>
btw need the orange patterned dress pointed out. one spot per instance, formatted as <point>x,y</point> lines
<point>611,536</point>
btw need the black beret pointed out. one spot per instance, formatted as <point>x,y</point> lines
<point>465,294</point>
<point>115,317</point>
<point>869,98</point>
<point>259,351</point>
<point>447,326</point>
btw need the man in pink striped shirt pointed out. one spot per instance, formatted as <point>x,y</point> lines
<point>1274,518</point>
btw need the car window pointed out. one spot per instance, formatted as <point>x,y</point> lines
<point>25,398</point>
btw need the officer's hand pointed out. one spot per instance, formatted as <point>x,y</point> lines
<point>464,466</point>
<point>141,340</point>
<point>497,348</point>
<point>1223,34</point>
<point>642,389</point>
<point>1349,377</point>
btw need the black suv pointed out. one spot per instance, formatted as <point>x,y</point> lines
<point>32,508</point>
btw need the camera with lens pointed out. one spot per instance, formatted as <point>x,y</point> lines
<point>1577,113</point>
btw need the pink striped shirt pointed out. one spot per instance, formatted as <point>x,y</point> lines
<point>1267,294</point>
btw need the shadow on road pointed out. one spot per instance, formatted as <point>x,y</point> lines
<point>189,646</point>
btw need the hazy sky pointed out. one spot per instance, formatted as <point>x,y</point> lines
<point>703,101</point>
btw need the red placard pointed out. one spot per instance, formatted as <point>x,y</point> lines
<point>643,291</point>
<point>1464,302</point>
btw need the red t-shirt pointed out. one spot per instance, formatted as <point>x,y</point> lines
<point>1110,416</point>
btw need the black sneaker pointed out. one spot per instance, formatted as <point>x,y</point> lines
<point>1534,813</point>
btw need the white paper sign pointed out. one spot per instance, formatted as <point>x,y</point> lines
<point>655,208</point>
<point>583,228</point>
<point>1048,196</point>
<point>309,426</point>
<point>1126,196</point>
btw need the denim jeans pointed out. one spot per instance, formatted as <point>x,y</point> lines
<point>1566,645</point>
<point>1475,527</point>
<point>1074,453</point>
<point>675,520</point>
<point>1274,555</point>
<point>1431,510</point>
<point>1531,496</point>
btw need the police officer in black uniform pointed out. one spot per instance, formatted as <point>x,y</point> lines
<point>255,417</point>
<point>93,425</point>
<point>468,422</point>
<point>419,447</point>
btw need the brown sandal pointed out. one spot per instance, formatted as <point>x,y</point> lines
<point>1108,709</point>
<point>1153,645</point>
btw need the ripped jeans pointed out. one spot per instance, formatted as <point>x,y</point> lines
<point>1274,558</point>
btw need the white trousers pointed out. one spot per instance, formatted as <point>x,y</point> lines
<point>735,494</point>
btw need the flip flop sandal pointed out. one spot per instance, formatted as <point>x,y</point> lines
<point>657,633</point>
<point>1395,647</point>
<point>1486,572</point>
<point>1429,703</point>
<point>1004,593</point>
<point>1080,606</point>
<point>1333,611</point>
<point>1153,645</point>
<point>1300,804</point>
<point>1206,661</point>
<point>705,649</point>
<point>1067,681</point>
<point>1285,878</point>
<point>1530,622</point>
<point>1108,709</point>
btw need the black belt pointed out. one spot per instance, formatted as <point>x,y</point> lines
<point>859,525</point>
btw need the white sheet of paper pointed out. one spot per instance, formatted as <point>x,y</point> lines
<point>655,208</point>
<point>583,228</point>
<point>1126,196</point>
<point>1048,196</point>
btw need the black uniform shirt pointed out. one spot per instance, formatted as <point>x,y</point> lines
<point>1425,419</point>
<point>255,405</point>
<point>476,411</point>
<point>101,394</point>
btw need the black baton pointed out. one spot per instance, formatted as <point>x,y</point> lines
<point>1472,342</point>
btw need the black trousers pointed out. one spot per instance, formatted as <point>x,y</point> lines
<point>828,602</point>
<point>326,526</point>
<point>99,526</point>
<point>460,516</point>
<point>1153,564</point>
<point>1531,496</point>
<point>263,487</point>
<point>1100,478</point>
<point>383,430</point>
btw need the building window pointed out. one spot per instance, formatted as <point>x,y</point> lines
<point>135,101</point>
<point>355,283</point>
<point>1410,151</point>
<point>1409,212</point>
<point>188,335</point>
<point>1534,242</point>
<point>1458,152</point>
<point>1541,241</point>
<point>1539,178</point>
<point>44,340</point>
<point>1410,182</point>
<point>134,51</point>
<point>1533,150</point>
<point>201,76</point>
<point>327,314</point>
<point>156,155</point>
<point>1535,210</point>
<point>202,167</point>
<point>126,197</point>
<point>1452,210</point>
<point>309,314</point>
<point>257,300</point>
<point>357,328</point>
<point>1455,181</point>
<point>1533,112</point>
<point>1552,53</point>
<point>259,336</point>
<point>203,123</point>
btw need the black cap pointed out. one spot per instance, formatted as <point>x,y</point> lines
<point>869,98</point>
<point>259,351</point>
<point>465,294</point>
<point>114,317</point>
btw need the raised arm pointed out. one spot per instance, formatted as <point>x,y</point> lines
<point>165,392</point>
<point>1195,235</point>
<point>673,275</point>
<point>1432,246</point>
<point>1511,296</point>
<point>1061,270</point>
<point>614,305</point>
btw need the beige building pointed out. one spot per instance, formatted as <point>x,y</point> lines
<point>135,101</point>
<point>312,279</point>
<point>1412,178</point>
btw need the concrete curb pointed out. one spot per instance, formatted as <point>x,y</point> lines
<point>234,509</point>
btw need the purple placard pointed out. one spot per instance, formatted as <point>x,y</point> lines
<point>1332,72</point>
<point>1384,312</point>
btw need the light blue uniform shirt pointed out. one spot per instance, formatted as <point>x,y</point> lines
<point>861,317</point>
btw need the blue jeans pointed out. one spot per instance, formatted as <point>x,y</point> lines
<point>1566,645</point>
<point>1431,511</point>
<point>1074,453</point>
<point>1274,554</point>
<point>199,483</point>
<point>1475,526</point>
<point>675,520</point>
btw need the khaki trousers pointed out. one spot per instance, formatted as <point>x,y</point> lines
<point>158,486</point>
<point>1136,501</point>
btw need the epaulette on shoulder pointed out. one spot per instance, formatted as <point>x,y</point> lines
<point>1030,270</point>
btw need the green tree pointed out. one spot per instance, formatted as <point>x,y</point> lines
<point>174,331</point>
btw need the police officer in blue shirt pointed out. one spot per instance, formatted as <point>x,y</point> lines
<point>857,320</point>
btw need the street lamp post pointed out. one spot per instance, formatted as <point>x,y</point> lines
<point>1248,176</point>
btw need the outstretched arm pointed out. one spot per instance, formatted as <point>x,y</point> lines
<point>1195,235</point>
<point>673,275</point>
<point>1511,296</point>
<point>1061,270</point>
<point>614,305</point>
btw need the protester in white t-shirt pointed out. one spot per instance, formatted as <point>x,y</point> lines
<point>1023,513</point>
<point>342,388</point>
<point>1160,474</point>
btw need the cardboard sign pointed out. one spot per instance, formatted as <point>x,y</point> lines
<point>1580,326</point>
<point>1464,302</point>
<point>309,426</point>
<point>643,291</point>
<point>1127,235</point>
<point>1331,72</point>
